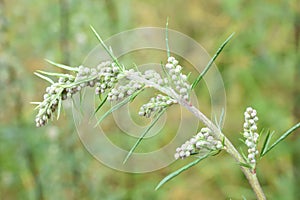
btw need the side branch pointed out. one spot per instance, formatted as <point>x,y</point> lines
<point>216,132</point>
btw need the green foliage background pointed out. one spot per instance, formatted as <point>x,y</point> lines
<point>259,68</point>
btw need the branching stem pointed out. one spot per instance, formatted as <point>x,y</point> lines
<point>216,132</point>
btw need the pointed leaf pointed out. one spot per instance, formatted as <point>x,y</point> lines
<point>243,155</point>
<point>84,80</point>
<point>106,48</point>
<point>112,109</point>
<point>210,63</point>
<point>266,143</point>
<point>100,105</point>
<point>143,135</point>
<point>36,103</point>
<point>287,133</point>
<point>44,77</point>
<point>75,69</point>
<point>179,171</point>
<point>59,107</point>
<point>117,106</point>
<point>134,95</point>
<point>245,165</point>
<point>55,74</point>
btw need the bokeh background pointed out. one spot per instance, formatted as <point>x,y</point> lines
<point>260,67</point>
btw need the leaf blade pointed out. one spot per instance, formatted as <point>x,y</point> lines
<point>179,171</point>
<point>106,48</point>
<point>286,134</point>
<point>62,66</point>
<point>100,105</point>
<point>44,77</point>
<point>59,107</point>
<point>55,74</point>
<point>142,136</point>
<point>266,143</point>
<point>117,106</point>
<point>210,63</point>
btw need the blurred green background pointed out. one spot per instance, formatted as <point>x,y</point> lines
<point>260,67</point>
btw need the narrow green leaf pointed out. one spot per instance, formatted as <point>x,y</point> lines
<point>266,143</point>
<point>36,103</point>
<point>179,171</point>
<point>287,133</point>
<point>75,69</point>
<point>44,77</point>
<point>112,109</point>
<point>134,95</point>
<point>100,105</point>
<point>80,81</point>
<point>143,135</point>
<point>58,98</point>
<point>59,107</point>
<point>167,38</point>
<point>117,106</point>
<point>55,74</point>
<point>223,142</point>
<point>245,165</point>
<point>188,75</point>
<point>106,48</point>
<point>211,62</point>
<point>243,155</point>
<point>242,140</point>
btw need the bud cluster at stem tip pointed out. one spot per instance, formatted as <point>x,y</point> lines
<point>103,77</point>
<point>250,134</point>
<point>178,79</point>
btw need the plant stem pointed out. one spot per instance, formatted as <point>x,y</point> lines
<point>250,175</point>
<point>216,132</point>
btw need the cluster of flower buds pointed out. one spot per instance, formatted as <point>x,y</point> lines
<point>54,94</point>
<point>155,105</point>
<point>108,73</point>
<point>155,77</point>
<point>128,87</point>
<point>178,79</point>
<point>202,142</point>
<point>250,134</point>
<point>103,77</point>
<point>122,91</point>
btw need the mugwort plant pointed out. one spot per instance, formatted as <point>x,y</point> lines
<point>113,82</point>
